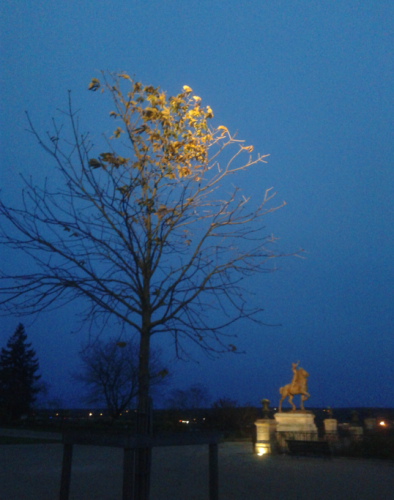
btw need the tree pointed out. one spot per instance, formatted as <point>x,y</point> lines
<point>110,373</point>
<point>149,231</point>
<point>18,379</point>
<point>195,396</point>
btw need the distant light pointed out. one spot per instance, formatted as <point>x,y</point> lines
<point>90,414</point>
<point>184,421</point>
<point>101,414</point>
<point>261,452</point>
<point>57,414</point>
<point>382,423</point>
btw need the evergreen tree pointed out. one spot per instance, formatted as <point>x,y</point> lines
<point>18,379</point>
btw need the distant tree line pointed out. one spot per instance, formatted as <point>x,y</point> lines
<point>224,414</point>
<point>109,372</point>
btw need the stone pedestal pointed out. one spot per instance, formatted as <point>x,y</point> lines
<point>295,425</point>
<point>331,429</point>
<point>295,422</point>
<point>330,425</point>
<point>265,428</point>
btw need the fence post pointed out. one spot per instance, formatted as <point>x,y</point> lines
<point>66,471</point>
<point>143,456</point>
<point>128,473</point>
<point>213,472</point>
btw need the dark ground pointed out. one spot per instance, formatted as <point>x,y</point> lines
<point>32,472</point>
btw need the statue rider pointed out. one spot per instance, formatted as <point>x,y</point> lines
<point>294,368</point>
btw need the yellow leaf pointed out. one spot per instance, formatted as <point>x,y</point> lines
<point>187,89</point>
<point>117,132</point>
<point>170,174</point>
<point>94,84</point>
<point>223,129</point>
<point>249,149</point>
<point>183,172</point>
<point>196,98</point>
<point>94,163</point>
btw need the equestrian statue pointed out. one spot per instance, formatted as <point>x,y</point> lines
<point>297,386</point>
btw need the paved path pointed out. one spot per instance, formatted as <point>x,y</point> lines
<point>32,472</point>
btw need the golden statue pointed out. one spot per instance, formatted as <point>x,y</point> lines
<point>296,386</point>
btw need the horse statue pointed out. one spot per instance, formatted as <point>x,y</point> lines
<point>297,386</point>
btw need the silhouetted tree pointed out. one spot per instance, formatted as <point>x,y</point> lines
<point>18,378</point>
<point>110,373</point>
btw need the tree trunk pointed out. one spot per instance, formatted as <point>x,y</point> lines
<point>143,424</point>
<point>143,370</point>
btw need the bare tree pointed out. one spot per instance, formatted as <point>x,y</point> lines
<point>110,373</point>
<point>150,231</point>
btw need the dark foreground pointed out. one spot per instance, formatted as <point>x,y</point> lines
<point>33,472</point>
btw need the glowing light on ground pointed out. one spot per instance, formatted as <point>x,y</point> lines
<point>263,450</point>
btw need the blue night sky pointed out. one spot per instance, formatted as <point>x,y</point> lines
<point>310,83</point>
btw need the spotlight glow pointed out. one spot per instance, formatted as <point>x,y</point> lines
<point>263,450</point>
